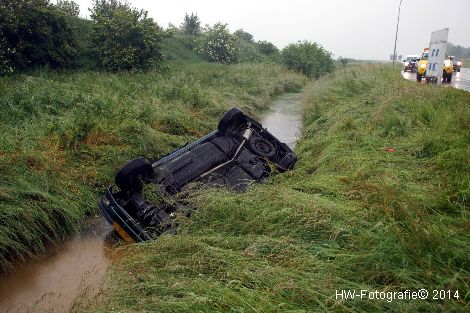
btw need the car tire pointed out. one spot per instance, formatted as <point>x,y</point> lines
<point>230,117</point>
<point>130,175</point>
<point>419,77</point>
<point>262,147</point>
<point>458,70</point>
<point>287,162</point>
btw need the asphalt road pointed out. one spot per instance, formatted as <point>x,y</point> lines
<point>460,79</point>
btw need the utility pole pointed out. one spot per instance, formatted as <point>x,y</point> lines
<point>396,36</point>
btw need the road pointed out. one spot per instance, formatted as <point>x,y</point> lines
<point>460,80</point>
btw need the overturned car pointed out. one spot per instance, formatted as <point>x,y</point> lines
<point>238,152</point>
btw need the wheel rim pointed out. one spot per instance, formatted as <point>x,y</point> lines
<point>263,147</point>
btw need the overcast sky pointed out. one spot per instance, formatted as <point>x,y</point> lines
<point>361,29</point>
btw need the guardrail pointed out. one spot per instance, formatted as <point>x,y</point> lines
<point>465,62</point>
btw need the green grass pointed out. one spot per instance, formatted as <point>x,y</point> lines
<point>63,135</point>
<point>350,215</point>
<point>182,48</point>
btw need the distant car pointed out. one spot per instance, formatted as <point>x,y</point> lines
<point>447,69</point>
<point>456,63</point>
<point>409,62</point>
<point>238,152</point>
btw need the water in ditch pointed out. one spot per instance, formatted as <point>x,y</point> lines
<point>69,270</point>
<point>74,269</point>
<point>284,118</point>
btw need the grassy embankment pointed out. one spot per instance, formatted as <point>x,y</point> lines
<point>64,135</point>
<point>350,216</point>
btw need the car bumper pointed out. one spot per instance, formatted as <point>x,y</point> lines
<point>408,68</point>
<point>124,224</point>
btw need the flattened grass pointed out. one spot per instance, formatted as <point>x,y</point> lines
<point>353,214</point>
<point>63,135</point>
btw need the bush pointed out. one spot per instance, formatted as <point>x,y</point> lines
<point>219,45</point>
<point>182,47</point>
<point>82,30</point>
<point>343,61</point>
<point>34,33</point>
<point>5,51</point>
<point>308,58</point>
<point>124,38</point>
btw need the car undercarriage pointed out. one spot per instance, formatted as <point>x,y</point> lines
<point>239,152</point>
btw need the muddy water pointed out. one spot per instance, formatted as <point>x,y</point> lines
<point>284,118</point>
<point>72,270</point>
<point>53,282</point>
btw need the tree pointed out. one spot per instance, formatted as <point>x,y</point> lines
<point>243,35</point>
<point>124,38</point>
<point>191,24</point>
<point>69,8</point>
<point>267,48</point>
<point>34,33</point>
<point>343,61</point>
<point>458,51</point>
<point>219,45</point>
<point>308,58</point>
<point>249,52</point>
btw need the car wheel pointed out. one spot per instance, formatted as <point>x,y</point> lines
<point>262,147</point>
<point>419,77</point>
<point>458,70</point>
<point>287,162</point>
<point>128,178</point>
<point>229,118</point>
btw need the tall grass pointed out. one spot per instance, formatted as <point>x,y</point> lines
<point>63,135</point>
<point>353,214</point>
